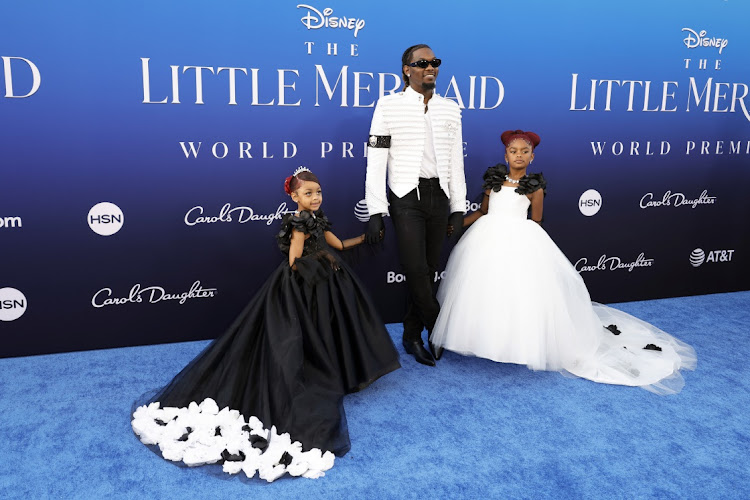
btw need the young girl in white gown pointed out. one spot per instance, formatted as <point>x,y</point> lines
<point>537,311</point>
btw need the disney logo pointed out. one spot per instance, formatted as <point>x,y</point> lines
<point>676,200</point>
<point>152,294</point>
<point>243,214</point>
<point>612,264</point>
<point>699,39</point>
<point>316,19</point>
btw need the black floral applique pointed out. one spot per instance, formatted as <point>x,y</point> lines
<point>613,329</point>
<point>530,183</point>
<point>313,223</point>
<point>233,457</point>
<point>286,459</point>
<point>652,347</point>
<point>495,176</point>
<point>186,434</point>
<point>258,442</point>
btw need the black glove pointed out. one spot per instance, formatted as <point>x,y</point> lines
<point>455,227</point>
<point>375,229</point>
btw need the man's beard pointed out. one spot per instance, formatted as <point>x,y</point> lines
<point>428,86</point>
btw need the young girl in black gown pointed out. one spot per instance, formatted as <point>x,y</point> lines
<point>309,336</point>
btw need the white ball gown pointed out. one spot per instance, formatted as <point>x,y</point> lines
<point>533,308</point>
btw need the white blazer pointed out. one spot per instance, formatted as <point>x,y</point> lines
<point>401,117</point>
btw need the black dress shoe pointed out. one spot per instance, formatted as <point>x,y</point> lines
<point>416,349</point>
<point>437,352</point>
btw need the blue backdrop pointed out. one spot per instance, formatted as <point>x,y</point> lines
<point>144,146</point>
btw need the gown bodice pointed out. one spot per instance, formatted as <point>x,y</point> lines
<point>507,203</point>
<point>511,202</point>
<point>314,224</point>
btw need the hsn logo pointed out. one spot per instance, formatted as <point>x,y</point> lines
<point>12,304</point>
<point>105,218</point>
<point>590,202</point>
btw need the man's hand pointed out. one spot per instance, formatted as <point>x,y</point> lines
<point>375,229</point>
<point>455,227</point>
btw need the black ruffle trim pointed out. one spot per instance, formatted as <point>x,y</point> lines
<point>495,176</point>
<point>530,183</point>
<point>314,224</point>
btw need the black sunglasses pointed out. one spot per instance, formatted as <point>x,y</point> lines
<point>422,63</point>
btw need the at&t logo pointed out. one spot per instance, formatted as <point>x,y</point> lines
<point>590,202</point>
<point>8,222</point>
<point>12,304</point>
<point>105,218</point>
<point>698,256</point>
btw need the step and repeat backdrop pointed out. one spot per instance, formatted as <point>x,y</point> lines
<point>144,146</point>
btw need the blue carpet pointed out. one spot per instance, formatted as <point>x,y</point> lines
<point>469,428</point>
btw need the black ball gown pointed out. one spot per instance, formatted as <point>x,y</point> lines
<point>307,338</point>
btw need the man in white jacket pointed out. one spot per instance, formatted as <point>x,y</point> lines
<point>416,145</point>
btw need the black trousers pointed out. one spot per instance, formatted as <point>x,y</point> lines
<point>420,220</point>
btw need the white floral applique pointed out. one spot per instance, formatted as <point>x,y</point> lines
<point>202,434</point>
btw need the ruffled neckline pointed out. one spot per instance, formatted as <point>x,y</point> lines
<point>495,176</point>
<point>313,223</point>
<point>310,222</point>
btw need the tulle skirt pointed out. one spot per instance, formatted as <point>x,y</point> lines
<point>510,295</point>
